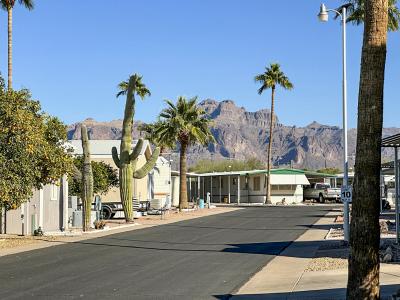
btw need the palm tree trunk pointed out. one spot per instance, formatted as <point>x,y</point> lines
<point>363,279</point>
<point>183,201</point>
<point>9,12</point>
<point>269,158</point>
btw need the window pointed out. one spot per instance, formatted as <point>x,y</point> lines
<point>286,187</point>
<point>283,187</point>
<point>256,183</point>
<point>322,186</point>
<point>53,192</point>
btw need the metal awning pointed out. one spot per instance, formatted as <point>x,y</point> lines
<point>391,141</point>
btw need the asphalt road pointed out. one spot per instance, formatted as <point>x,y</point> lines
<point>202,258</point>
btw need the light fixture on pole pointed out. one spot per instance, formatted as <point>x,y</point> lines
<point>323,14</point>
<point>323,17</point>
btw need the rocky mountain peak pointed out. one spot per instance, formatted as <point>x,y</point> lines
<point>227,110</point>
<point>240,134</point>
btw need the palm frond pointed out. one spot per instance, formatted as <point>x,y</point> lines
<point>356,15</point>
<point>9,4</point>
<point>272,77</point>
<point>27,3</point>
<point>184,120</point>
<point>139,88</point>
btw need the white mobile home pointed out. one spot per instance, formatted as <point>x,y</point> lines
<point>47,208</point>
<point>247,186</point>
<point>156,185</point>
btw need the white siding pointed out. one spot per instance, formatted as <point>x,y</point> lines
<point>162,179</point>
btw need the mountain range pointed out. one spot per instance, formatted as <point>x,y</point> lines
<point>240,134</point>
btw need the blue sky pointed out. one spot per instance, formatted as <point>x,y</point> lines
<point>72,54</point>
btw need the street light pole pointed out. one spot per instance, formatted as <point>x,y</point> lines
<point>323,16</point>
<point>346,210</point>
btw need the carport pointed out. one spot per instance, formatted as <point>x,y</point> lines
<point>394,142</point>
<point>318,177</point>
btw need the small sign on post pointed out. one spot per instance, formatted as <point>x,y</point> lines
<point>346,194</point>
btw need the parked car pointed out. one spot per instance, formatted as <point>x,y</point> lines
<point>110,209</point>
<point>321,192</point>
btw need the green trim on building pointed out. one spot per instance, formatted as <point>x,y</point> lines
<point>317,174</point>
<point>255,172</point>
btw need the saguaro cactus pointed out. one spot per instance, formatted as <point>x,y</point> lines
<point>87,180</point>
<point>127,160</point>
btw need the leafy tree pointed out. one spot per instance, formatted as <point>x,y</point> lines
<point>187,124</point>
<point>332,171</point>
<point>207,166</point>
<point>270,79</point>
<point>32,147</point>
<point>356,13</point>
<point>105,177</point>
<point>8,5</point>
<point>363,278</point>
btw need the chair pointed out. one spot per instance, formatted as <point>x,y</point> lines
<point>157,207</point>
<point>166,207</point>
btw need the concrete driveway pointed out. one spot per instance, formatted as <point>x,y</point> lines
<point>205,258</point>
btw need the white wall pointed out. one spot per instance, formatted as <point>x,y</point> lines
<point>43,207</point>
<point>292,193</point>
<point>162,179</point>
<point>175,190</point>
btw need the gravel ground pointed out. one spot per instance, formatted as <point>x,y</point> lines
<point>12,241</point>
<point>326,263</point>
<point>330,256</point>
<point>333,255</point>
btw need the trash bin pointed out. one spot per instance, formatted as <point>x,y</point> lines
<point>201,203</point>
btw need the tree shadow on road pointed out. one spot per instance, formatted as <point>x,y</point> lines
<point>327,294</point>
<point>321,226</point>
<point>302,249</point>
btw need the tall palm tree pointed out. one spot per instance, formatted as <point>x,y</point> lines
<point>363,278</point>
<point>270,79</point>
<point>356,13</point>
<point>187,124</point>
<point>8,5</point>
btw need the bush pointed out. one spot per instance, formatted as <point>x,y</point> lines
<point>104,176</point>
<point>100,224</point>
